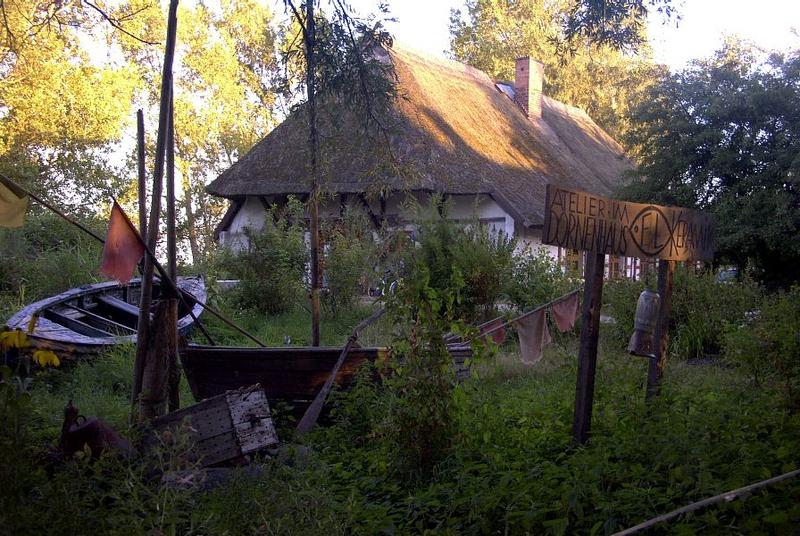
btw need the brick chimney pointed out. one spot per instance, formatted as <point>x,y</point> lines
<point>528,79</point>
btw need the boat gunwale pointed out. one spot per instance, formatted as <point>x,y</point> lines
<point>21,318</point>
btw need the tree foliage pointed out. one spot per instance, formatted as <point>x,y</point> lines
<point>723,135</point>
<point>600,79</point>
<point>617,23</point>
<point>59,110</point>
<point>223,98</point>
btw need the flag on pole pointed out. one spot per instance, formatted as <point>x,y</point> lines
<point>13,204</point>
<point>123,248</point>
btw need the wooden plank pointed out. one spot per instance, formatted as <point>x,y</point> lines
<point>221,428</point>
<point>587,354</point>
<point>655,369</point>
<point>131,311</point>
<point>74,324</point>
<point>587,222</point>
<point>250,414</point>
<point>101,322</point>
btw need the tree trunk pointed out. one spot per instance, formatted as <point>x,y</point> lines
<point>313,146</point>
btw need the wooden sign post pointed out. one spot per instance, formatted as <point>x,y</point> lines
<point>587,222</point>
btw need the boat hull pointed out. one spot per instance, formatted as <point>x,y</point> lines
<point>91,319</point>
<point>287,374</point>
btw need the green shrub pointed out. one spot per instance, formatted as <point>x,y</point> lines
<point>349,256</point>
<point>485,259</point>
<point>768,344</point>
<point>701,306</point>
<point>272,268</point>
<point>45,257</point>
<point>471,261</point>
<point>537,278</point>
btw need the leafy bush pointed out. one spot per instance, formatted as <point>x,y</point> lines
<point>471,261</point>
<point>537,278</point>
<point>348,258</point>
<point>272,268</point>
<point>485,259</point>
<point>700,308</point>
<point>422,311</point>
<point>768,344</point>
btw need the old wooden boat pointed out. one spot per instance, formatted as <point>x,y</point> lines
<point>288,374</point>
<point>92,318</point>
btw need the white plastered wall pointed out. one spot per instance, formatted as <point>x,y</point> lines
<point>400,212</point>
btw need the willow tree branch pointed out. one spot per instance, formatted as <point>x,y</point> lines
<point>115,23</point>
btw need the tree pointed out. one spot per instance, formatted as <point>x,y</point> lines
<point>60,113</point>
<point>224,98</point>
<point>339,70</point>
<point>601,80</point>
<point>723,135</point>
<point>619,24</point>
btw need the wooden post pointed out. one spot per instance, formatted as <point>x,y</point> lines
<point>155,376</point>
<point>587,354</point>
<point>143,327</point>
<point>171,320</point>
<point>655,371</point>
<point>142,174</point>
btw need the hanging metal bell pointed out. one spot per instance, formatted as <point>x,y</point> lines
<point>644,325</point>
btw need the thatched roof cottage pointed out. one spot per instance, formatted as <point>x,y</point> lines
<point>489,146</point>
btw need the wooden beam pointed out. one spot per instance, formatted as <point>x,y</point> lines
<point>142,174</point>
<point>75,324</point>
<point>104,323</point>
<point>587,354</point>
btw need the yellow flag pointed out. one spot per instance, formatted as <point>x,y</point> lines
<point>13,204</point>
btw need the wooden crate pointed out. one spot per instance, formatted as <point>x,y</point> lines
<point>218,429</point>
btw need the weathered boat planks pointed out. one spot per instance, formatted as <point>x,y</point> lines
<point>287,374</point>
<point>92,318</point>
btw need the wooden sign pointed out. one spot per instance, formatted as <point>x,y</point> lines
<point>587,222</point>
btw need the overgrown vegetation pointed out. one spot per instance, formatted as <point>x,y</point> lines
<point>767,343</point>
<point>45,257</point>
<point>272,264</point>
<point>701,307</point>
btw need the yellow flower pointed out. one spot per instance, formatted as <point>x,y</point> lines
<point>44,358</point>
<point>13,339</point>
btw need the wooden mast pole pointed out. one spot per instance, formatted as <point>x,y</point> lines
<point>142,173</point>
<point>143,328</point>
<point>171,324</point>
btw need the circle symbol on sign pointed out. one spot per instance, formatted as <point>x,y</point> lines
<point>651,230</point>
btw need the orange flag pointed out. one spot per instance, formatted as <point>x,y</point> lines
<point>123,247</point>
<point>13,205</point>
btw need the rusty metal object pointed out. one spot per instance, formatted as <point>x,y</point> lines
<point>78,431</point>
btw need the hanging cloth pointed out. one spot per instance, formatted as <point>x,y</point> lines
<point>533,335</point>
<point>497,329</point>
<point>565,312</point>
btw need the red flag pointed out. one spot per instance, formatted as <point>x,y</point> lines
<point>123,247</point>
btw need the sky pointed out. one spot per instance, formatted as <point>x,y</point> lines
<point>772,24</point>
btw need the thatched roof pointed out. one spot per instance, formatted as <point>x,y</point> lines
<point>453,131</point>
